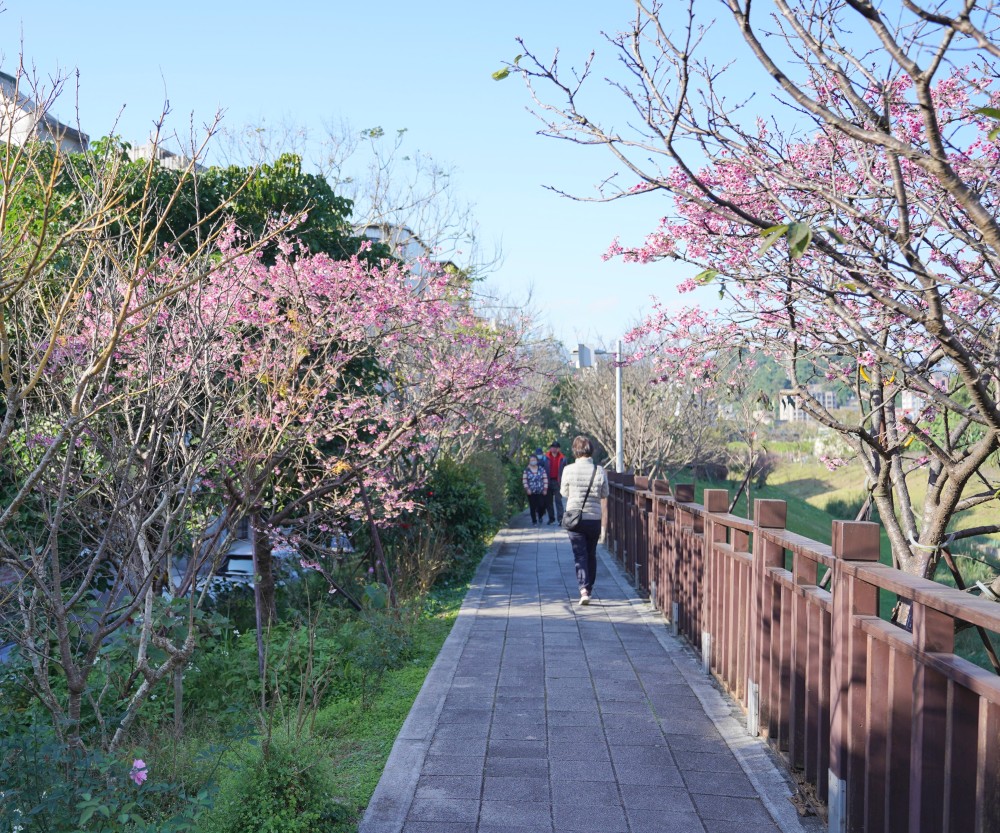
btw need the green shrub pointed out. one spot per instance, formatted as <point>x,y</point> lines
<point>456,505</point>
<point>222,677</point>
<point>48,786</point>
<point>283,787</point>
<point>373,645</point>
<point>513,487</point>
<point>491,472</point>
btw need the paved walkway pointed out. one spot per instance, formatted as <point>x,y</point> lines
<point>542,716</point>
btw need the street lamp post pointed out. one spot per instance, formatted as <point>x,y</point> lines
<point>584,358</point>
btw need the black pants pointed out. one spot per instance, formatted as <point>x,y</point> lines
<point>536,503</point>
<point>584,544</point>
<point>554,502</point>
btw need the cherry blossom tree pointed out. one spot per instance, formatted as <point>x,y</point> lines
<point>350,375</point>
<point>849,221</point>
<point>153,394</point>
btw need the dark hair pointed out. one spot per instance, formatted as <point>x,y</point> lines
<point>582,447</point>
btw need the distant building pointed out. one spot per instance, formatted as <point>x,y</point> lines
<point>23,119</point>
<point>790,407</point>
<point>166,158</point>
<point>789,410</point>
<point>406,245</point>
<point>403,243</point>
<point>911,403</point>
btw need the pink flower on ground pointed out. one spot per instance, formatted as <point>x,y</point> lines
<point>139,772</point>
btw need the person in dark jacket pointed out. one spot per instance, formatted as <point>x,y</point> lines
<point>576,480</point>
<point>554,462</point>
<point>536,485</point>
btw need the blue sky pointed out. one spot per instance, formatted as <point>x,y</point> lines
<point>423,67</point>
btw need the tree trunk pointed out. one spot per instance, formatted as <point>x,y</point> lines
<point>179,702</point>
<point>264,569</point>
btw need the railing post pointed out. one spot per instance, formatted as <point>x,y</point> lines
<point>933,631</point>
<point>640,554</point>
<point>852,541</point>
<point>683,493</point>
<point>805,573</point>
<point>716,502</point>
<point>661,489</point>
<point>768,514</point>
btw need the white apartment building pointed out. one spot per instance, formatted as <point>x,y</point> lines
<point>22,118</point>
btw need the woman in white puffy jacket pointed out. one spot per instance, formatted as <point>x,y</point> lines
<point>576,480</point>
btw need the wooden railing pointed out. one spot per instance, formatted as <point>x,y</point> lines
<point>893,730</point>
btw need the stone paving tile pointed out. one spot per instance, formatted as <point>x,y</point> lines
<point>503,748</point>
<point>695,743</point>
<point>516,767</point>
<point>680,724</point>
<point>449,786</point>
<point>536,814</point>
<point>474,716</point>
<point>573,701</point>
<point>742,826</point>
<point>598,792</point>
<point>637,735</point>
<point>453,765</point>
<point>729,808</point>
<point>455,810</point>
<point>513,700</point>
<point>586,770</point>
<point>633,709</point>
<point>575,751</point>
<point>644,797</point>
<point>732,784</point>
<point>635,718</point>
<point>464,731</point>
<point>517,730</point>
<point>587,815</point>
<point>512,787</point>
<point>658,821</point>
<point>631,772</point>
<point>518,693</point>
<point>457,699</point>
<point>655,757</point>
<point>576,734</point>
<point>458,746</point>
<point>708,762</point>
<point>571,718</point>
<point>489,827</point>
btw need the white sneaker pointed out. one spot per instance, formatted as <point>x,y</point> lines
<point>584,597</point>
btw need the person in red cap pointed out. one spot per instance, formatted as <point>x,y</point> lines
<point>555,462</point>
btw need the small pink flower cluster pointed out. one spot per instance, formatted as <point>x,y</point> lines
<point>139,772</point>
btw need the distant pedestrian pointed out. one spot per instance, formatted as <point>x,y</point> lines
<point>536,486</point>
<point>554,462</point>
<point>584,485</point>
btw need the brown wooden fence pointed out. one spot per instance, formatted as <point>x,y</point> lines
<point>893,730</point>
